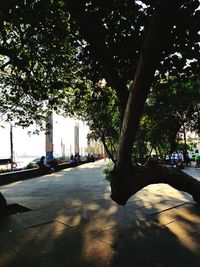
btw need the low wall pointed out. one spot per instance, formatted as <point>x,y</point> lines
<point>14,176</point>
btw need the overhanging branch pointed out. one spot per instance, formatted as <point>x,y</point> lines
<point>157,37</point>
<point>97,45</point>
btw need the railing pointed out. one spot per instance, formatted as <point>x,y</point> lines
<point>5,161</point>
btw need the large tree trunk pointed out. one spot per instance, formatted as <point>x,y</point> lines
<point>127,179</point>
<point>172,143</point>
<point>155,43</point>
<point>152,173</point>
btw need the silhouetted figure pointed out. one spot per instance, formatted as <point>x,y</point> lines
<point>73,160</point>
<point>77,158</point>
<point>197,159</point>
<point>186,158</point>
<point>53,164</point>
<point>41,164</point>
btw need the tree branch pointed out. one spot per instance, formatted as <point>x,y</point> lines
<point>151,54</point>
<point>152,173</point>
<point>103,54</point>
<point>107,149</point>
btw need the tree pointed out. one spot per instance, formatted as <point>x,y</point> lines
<point>168,111</point>
<point>132,45</point>
<point>127,179</point>
<point>37,59</point>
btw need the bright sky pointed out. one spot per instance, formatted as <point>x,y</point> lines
<point>34,145</point>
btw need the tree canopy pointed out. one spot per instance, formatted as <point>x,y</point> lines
<point>172,107</point>
<point>54,53</point>
<point>37,55</point>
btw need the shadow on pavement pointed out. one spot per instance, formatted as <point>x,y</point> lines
<point>73,222</point>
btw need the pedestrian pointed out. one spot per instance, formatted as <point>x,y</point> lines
<point>41,163</point>
<point>197,159</point>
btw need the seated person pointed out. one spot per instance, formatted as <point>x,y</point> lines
<point>72,160</point>
<point>53,164</point>
<point>43,164</point>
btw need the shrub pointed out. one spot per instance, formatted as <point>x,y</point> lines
<point>3,170</point>
<point>109,167</point>
<point>31,165</point>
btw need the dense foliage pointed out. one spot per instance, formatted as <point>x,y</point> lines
<point>37,59</point>
<point>172,108</point>
<point>54,55</point>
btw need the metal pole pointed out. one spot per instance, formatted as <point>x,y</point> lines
<point>11,145</point>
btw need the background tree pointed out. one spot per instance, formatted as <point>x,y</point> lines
<point>37,59</point>
<point>97,104</point>
<point>169,112</point>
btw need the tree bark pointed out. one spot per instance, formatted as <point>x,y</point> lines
<point>172,142</point>
<point>152,173</point>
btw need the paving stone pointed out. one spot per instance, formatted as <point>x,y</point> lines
<point>10,224</point>
<point>83,249</point>
<point>10,258</point>
<point>37,244</point>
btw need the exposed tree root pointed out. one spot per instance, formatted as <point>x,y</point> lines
<point>134,178</point>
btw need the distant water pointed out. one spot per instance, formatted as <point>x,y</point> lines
<point>21,162</point>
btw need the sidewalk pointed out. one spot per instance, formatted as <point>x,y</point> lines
<point>72,222</point>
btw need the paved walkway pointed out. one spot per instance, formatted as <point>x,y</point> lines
<point>74,223</point>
